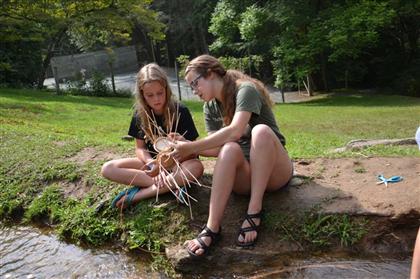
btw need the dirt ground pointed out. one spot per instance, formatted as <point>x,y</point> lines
<point>349,185</point>
<point>346,185</point>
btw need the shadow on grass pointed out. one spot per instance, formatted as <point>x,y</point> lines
<point>361,100</point>
<point>29,96</point>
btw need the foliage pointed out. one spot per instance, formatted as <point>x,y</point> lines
<point>317,230</point>
<point>186,30</point>
<point>183,60</point>
<point>47,205</point>
<point>244,64</point>
<point>145,229</point>
<point>96,86</point>
<point>329,43</point>
<point>407,80</point>
<point>83,21</point>
<point>81,223</point>
<point>224,25</point>
<point>20,53</point>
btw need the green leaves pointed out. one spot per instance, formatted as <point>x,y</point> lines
<point>325,42</point>
<point>224,25</point>
<point>355,28</point>
<point>89,24</point>
<point>315,230</point>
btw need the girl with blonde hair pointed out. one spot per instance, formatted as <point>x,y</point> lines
<point>154,103</point>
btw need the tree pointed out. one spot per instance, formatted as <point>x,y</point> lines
<point>354,29</point>
<point>20,52</point>
<point>53,19</point>
<point>187,27</point>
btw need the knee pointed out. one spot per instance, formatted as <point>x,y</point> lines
<point>230,150</point>
<point>107,168</point>
<point>195,167</point>
<point>261,134</point>
<point>200,168</point>
<point>261,130</point>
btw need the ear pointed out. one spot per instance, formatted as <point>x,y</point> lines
<point>211,75</point>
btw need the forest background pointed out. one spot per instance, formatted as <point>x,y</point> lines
<point>324,44</point>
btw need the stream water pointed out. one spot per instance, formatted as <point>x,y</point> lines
<point>27,252</point>
<point>332,268</point>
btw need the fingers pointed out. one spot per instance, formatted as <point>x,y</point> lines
<point>175,153</point>
<point>175,136</point>
<point>160,180</point>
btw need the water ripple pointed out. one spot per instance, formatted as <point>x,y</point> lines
<point>26,252</point>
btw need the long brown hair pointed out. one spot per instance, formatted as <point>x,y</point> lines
<point>149,73</point>
<point>205,64</point>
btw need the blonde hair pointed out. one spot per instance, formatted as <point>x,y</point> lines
<point>150,73</point>
<point>205,64</point>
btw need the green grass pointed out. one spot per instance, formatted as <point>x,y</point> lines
<point>40,133</point>
<point>314,128</point>
<point>314,230</point>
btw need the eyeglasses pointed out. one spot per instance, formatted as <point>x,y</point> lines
<point>194,83</point>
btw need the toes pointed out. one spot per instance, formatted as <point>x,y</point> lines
<point>249,237</point>
<point>241,238</point>
<point>194,247</point>
<point>120,202</point>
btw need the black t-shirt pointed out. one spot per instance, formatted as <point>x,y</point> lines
<point>185,127</point>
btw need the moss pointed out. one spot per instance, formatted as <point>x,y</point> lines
<point>81,223</point>
<point>315,230</point>
<point>48,205</point>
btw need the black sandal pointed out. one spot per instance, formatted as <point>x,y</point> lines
<point>215,237</point>
<point>252,227</point>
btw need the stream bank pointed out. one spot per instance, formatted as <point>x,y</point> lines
<point>347,187</point>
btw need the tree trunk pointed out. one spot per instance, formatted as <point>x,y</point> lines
<point>202,33</point>
<point>413,38</point>
<point>157,54</point>
<point>169,50</point>
<point>195,40</point>
<point>144,39</point>
<point>310,89</point>
<point>111,68</point>
<point>55,40</point>
<point>346,78</point>
<point>324,71</point>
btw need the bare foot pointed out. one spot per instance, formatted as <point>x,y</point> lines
<point>200,245</point>
<point>249,229</point>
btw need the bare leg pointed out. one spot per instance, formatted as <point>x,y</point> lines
<point>415,265</point>
<point>231,169</point>
<point>271,169</point>
<point>195,168</point>
<point>127,171</point>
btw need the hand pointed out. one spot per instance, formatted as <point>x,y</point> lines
<point>182,150</point>
<point>150,165</point>
<point>176,137</point>
<point>151,168</point>
<point>162,180</point>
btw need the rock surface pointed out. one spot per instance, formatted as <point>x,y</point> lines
<point>337,186</point>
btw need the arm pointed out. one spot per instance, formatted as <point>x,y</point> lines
<point>141,152</point>
<point>212,152</point>
<point>215,140</point>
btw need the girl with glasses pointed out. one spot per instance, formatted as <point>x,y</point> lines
<point>245,138</point>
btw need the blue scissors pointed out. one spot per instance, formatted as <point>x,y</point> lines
<point>385,181</point>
